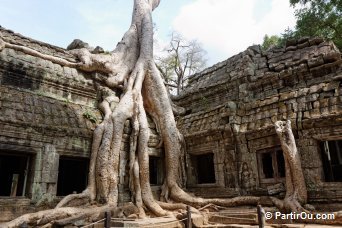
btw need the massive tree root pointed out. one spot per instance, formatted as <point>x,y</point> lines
<point>132,71</point>
<point>48,217</point>
<point>296,193</point>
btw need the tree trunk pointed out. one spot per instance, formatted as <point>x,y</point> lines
<point>131,69</point>
<point>296,193</point>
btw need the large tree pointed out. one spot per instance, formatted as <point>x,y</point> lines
<point>130,68</point>
<point>319,18</point>
<point>270,42</point>
<point>296,193</point>
<point>322,18</point>
<point>183,59</point>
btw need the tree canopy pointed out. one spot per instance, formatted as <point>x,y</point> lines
<point>183,58</point>
<point>322,18</point>
<point>270,41</point>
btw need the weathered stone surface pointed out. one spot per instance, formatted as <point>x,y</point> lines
<point>295,82</point>
<point>275,189</point>
<point>48,111</point>
<point>98,50</point>
<point>78,44</point>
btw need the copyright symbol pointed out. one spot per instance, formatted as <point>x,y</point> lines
<point>268,215</point>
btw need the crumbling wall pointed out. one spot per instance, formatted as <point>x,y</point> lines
<point>48,111</point>
<point>241,98</point>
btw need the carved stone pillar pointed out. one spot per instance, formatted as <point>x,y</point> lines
<point>46,174</point>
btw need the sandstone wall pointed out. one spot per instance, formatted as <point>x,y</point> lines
<point>231,108</point>
<point>47,112</point>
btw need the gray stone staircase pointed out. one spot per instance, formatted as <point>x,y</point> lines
<point>213,192</point>
<point>246,216</point>
<point>161,222</point>
<point>13,207</point>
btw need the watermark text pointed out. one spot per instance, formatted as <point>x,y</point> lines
<point>299,216</point>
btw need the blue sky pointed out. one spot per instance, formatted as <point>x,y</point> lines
<point>224,27</point>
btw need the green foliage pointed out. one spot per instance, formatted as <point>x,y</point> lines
<point>271,41</point>
<point>322,18</point>
<point>278,41</point>
<point>319,18</point>
<point>90,116</point>
<point>288,34</point>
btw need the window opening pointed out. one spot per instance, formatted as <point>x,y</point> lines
<point>331,154</point>
<point>280,163</point>
<point>271,165</point>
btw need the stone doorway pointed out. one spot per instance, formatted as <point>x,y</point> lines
<point>72,175</point>
<point>205,168</point>
<point>14,168</point>
<point>156,170</point>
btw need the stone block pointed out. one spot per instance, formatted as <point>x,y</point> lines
<point>276,189</point>
<point>316,88</point>
<point>49,176</point>
<point>310,157</point>
<point>324,102</point>
<point>50,162</point>
<point>315,113</point>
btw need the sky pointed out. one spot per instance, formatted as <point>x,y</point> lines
<point>223,27</point>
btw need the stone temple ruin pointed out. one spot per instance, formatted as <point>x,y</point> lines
<point>48,113</point>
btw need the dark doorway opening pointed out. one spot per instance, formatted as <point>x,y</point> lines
<point>205,168</point>
<point>331,153</point>
<point>156,170</point>
<point>267,165</point>
<point>72,175</point>
<point>13,174</point>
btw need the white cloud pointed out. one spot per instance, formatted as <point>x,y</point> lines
<point>104,27</point>
<point>159,45</point>
<point>227,27</point>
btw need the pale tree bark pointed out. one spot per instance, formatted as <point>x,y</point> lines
<point>131,69</point>
<point>295,199</point>
<point>296,193</point>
